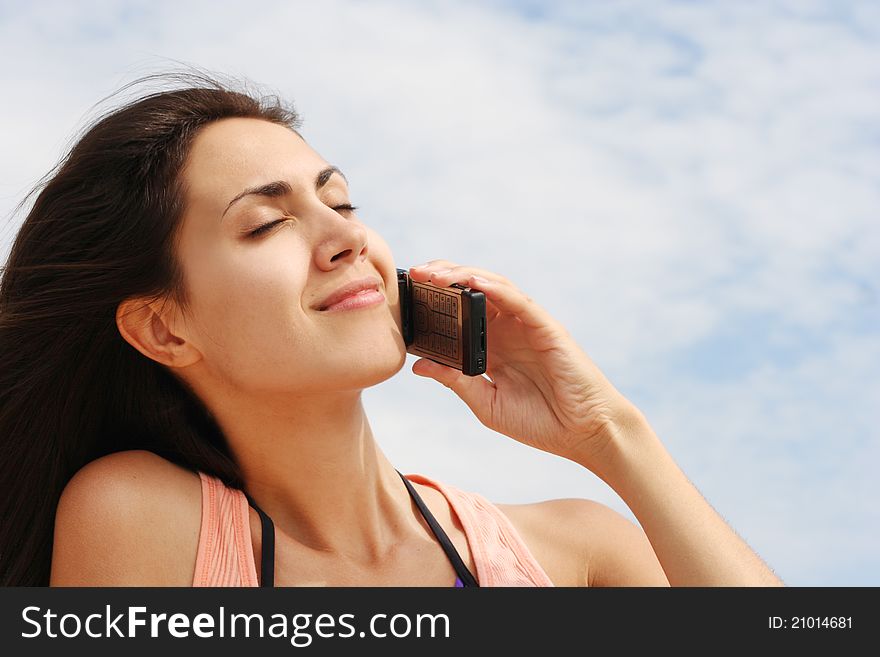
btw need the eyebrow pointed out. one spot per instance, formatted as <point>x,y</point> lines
<point>278,188</point>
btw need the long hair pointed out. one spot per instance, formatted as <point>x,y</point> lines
<point>102,228</point>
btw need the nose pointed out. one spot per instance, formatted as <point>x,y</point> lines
<point>341,241</point>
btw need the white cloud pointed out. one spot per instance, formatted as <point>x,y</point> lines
<point>654,174</point>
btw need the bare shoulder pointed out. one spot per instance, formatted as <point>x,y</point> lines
<point>131,518</point>
<point>581,542</point>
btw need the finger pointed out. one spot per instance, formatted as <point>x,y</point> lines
<point>422,273</point>
<point>461,274</point>
<point>434,264</point>
<point>475,391</point>
<point>507,298</point>
<point>445,273</point>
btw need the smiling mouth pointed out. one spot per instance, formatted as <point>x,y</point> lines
<point>360,299</point>
<point>355,294</point>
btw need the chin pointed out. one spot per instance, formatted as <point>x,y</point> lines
<point>369,369</point>
<point>390,365</point>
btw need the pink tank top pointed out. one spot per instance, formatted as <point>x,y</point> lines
<point>226,558</point>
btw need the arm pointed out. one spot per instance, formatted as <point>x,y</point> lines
<point>694,544</point>
<point>545,392</point>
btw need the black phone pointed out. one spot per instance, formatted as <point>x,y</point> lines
<point>445,324</point>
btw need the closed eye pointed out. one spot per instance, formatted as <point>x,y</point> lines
<point>265,228</point>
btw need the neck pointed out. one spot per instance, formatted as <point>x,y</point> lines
<point>313,466</point>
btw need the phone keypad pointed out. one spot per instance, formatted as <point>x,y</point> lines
<point>436,322</point>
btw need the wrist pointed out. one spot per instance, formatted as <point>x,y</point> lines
<point>625,437</point>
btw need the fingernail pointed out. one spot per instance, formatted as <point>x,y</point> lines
<point>440,271</point>
<point>479,279</point>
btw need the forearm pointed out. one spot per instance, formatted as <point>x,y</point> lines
<point>693,543</point>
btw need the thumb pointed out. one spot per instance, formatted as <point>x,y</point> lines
<point>475,391</point>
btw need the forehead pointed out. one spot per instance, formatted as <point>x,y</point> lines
<point>228,155</point>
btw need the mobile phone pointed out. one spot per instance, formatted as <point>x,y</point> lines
<point>445,324</point>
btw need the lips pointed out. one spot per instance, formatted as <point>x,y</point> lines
<point>350,289</point>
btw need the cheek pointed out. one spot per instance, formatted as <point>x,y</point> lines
<point>383,261</point>
<point>250,307</point>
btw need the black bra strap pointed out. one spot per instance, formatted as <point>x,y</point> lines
<point>267,560</point>
<point>460,568</point>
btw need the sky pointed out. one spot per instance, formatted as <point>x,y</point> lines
<point>691,188</point>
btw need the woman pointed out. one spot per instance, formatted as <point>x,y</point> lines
<point>188,317</point>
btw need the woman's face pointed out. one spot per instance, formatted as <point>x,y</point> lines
<point>259,311</point>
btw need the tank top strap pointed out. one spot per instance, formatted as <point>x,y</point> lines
<point>225,555</point>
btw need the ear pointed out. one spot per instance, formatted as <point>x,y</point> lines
<point>151,328</point>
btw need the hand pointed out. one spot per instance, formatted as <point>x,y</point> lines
<point>542,390</point>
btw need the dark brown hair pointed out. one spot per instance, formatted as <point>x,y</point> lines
<point>102,229</point>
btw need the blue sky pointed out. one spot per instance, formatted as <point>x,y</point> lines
<point>692,188</point>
